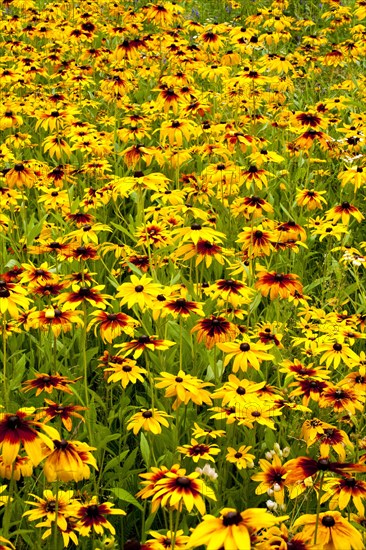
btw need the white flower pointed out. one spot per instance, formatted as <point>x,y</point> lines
<point>276,487</point>
<point>208,471</point>
<point>271,505</point>
<point>286,451</point>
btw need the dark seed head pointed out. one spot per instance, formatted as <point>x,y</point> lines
<point>328,521</point>
<point>232,518</point>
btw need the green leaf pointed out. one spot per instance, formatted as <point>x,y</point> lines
<point>125,496</point>
<point>145,450</point>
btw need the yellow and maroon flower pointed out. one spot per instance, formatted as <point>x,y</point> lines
<point>57,410</point>
<point>143,343</point>
<point>330,530</point>
<point>273,476</point>
<point>177,488</point>
<point>17,430</point>
<point>92,517</point>
<point>48,383</point>
<point>112,325</point>
<point>84,295</point>
<point>277,284</point>
<point>58,320</point>
<point>214,329</point>
<point>233,530</point>
<point>68,461</point>
<point>198,451</point>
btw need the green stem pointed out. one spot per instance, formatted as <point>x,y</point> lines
<point>318,506</point>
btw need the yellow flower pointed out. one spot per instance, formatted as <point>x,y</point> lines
<point>233,530</point>
<point>149,420</point>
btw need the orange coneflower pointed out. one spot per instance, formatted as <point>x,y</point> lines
<point>58,320</point>
<point>54,508</point>
<point>273,476</point>
<point>214,329</point>
<point>241,457</point>
<point>12,296</point>
<point>277,284</point>
<point>142,343</point>
<point>310,198</point>
<point>177,488</point>
<point>123,370</point>
<point>21,467</point>
<point>48,383</point>
<point>184,387</point>
<point>69,461</point>
<point>112,325</point>
<point>256,241</point>
<point>64,412</point>
<point>246,353</point>
<point>341,399</point>
<point>198,451</point>
<point>233,530</point>
<point>91,516</point>
<point>17,430</point>
<point>150,420</point>
<point>140,291</point>
<point>330,530</point>
<point>20,175</point>
<point>343,212</point>
<point>237,392</point>
<point>302,467</point>
<point>340,491</point>
<point>82,295</point>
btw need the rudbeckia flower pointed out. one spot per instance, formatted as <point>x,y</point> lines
<point>139,291</point>
<point>55,508</point>
<point>198,451</point>
<point>112,325</point>
<point>12,296</point>
<point>64,412</point>
<point>331,531</point>
<point>233,530</point>
<point>310,198</point>
<point>337,352</point>
<point>68,461</point>
<point>240,457</point>
<point>92,517</point>
<point>149,420</point>
<point>48,383</point>
<point>124,370</point>
<point>142,343</point>
<point>214,329</point>
<point>273,476</point>
<point>16,431</point>
<point>277,284</point>
<point>177,488</point>
<point>341,491</point>
<point>21,467</point>
<point>246,353</point>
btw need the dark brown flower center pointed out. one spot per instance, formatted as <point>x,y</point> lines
<point>337,347</point>
<point>323,464</point>
<point>61,445</point>
<point>13,422</point>
<point>139,288</point>
<point>92,511</point>
<point>147,414</point>
<point>244,347</point>
<point>50,506</point>
<point>241,391</point>
<point>183,481</point>
<point>328,521</point>
<point>232,518</point>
